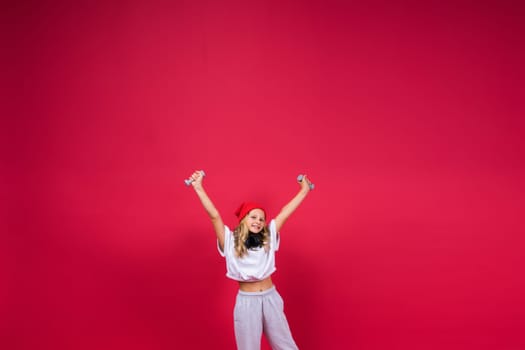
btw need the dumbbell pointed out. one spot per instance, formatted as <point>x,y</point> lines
<point>300,178</point>
<point>189,180</point>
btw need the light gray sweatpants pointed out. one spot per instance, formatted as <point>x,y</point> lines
<point>258,312</point>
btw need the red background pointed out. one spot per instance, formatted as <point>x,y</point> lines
<point>408,117</point>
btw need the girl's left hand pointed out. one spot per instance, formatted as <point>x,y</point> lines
<point>305,183</point>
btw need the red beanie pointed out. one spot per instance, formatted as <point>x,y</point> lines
<point>245,208</point>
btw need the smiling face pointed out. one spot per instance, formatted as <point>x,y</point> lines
<point>255,220</point>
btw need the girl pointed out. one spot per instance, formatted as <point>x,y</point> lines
<point>249,251</point>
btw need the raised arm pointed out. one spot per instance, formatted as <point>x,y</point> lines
<point>208,205</point>
<point>289,208</point>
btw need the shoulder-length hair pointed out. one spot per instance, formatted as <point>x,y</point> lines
<point>240,234</point>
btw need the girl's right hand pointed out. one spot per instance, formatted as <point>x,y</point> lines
<point>197,178</point>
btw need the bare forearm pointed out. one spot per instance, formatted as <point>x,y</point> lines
<point>207,203</point>
<point>290,207</point>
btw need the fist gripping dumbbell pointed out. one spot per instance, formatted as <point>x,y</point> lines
<point>300,179</point>
<point>189,180</point>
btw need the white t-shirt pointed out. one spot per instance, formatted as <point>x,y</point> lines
<point>257,264</point>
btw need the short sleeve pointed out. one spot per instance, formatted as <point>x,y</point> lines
<point>227,241</point>
<point>274,236</point>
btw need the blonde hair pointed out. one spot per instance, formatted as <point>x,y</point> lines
<point>240,234</point>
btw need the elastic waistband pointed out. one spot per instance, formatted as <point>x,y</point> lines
<point>264,292</point>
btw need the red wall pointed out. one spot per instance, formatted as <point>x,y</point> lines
<point>407,116</point>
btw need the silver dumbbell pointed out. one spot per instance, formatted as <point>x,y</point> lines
<point>300,178</point>
<point>189,180</point>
